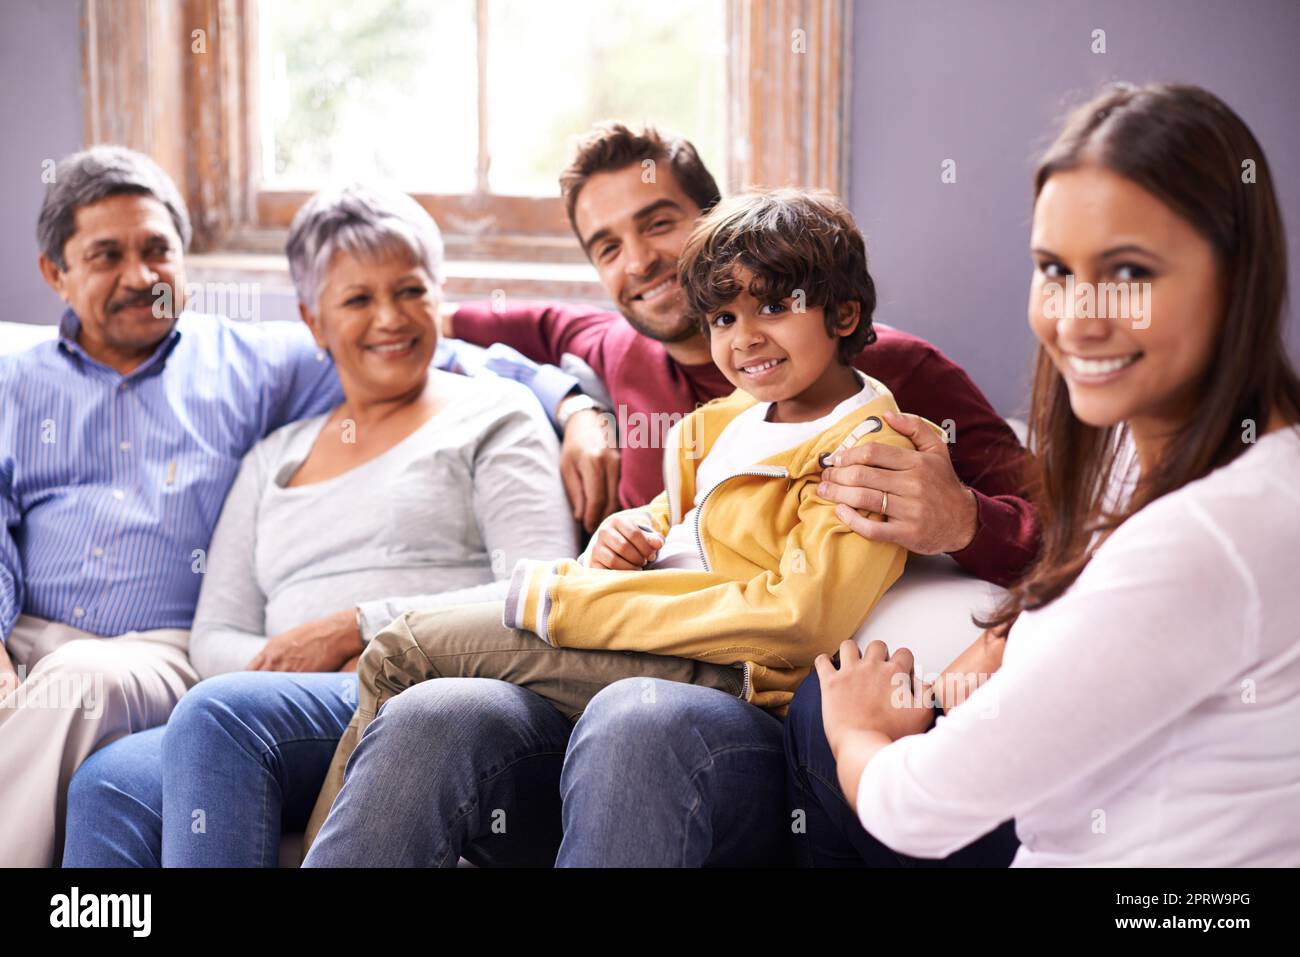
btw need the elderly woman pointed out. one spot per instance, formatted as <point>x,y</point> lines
<point>420,482</point>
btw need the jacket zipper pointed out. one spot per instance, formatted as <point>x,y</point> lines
<point>768,471</point>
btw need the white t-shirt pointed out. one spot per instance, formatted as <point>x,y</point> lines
<point>745,441</point>
<point>1148,716</point>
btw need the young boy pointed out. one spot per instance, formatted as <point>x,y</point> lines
<point>738,575</point>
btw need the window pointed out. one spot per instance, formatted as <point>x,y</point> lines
<point>471,105</point>
<point>463,96</point>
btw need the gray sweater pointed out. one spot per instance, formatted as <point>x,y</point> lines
<point>441,517</point>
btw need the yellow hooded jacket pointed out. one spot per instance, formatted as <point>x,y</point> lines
<point>784,581</point>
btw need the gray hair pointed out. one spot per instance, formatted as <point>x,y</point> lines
<point>98,173</point>
<point>363,221</point>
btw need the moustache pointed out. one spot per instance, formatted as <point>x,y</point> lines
<point>130,302</point>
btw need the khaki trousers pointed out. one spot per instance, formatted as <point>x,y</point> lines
<point>469,641</point>
<point>79,693</point>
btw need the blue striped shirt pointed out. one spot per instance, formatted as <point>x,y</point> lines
<point>111,484</point>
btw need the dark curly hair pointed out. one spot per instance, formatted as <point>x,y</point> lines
<point>793,241</point>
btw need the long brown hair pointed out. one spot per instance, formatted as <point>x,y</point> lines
<point>1185,146</point>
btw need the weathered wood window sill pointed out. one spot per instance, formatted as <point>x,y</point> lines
<point>466,279</point>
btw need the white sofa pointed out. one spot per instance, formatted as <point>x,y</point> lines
<point>18,336</point>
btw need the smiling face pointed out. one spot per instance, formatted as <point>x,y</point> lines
<point>633,232</point>
<point>782,356</point>
<point>122,248</point>
<point>378,320</point>
<point>1100,227</point>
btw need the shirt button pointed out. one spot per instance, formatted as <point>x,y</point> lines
<point>118,494</point>
<point>78,613</point>
<point>97,552</point>
<point>124,446</point>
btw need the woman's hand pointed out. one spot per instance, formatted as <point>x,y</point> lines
<point>589,467</point>
<point>321,645</point>
<point>871,692</point>
<point>871,701</point>
<point>623,545</point>
<point>970,669</point>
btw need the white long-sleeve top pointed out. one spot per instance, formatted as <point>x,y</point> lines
<point>1148,716</point>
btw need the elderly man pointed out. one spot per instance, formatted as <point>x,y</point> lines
<point>118,444</point>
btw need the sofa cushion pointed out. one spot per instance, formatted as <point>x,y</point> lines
<point>929,611</point>
<point>20,336</point>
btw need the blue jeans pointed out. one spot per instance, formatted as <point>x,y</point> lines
<point>833,835</point>
<point>654,773</point>
<point>241,759</point>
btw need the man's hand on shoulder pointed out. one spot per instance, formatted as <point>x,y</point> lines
<point>927,509</point>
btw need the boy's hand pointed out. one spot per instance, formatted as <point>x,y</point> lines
<point>622,545</point>
<point>928,510</point>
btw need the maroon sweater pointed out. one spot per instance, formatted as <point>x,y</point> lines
<point>642,379</point>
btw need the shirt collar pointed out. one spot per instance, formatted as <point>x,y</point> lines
<point>70,325</point>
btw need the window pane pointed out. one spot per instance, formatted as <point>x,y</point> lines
<point>372,90</point>
<point>387,89</point>
<point>554,68</point>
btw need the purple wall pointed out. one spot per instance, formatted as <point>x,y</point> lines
<point>983,82</point>
<point>40,115</point>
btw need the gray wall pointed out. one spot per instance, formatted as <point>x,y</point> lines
<point>983,82</point>
<point>40,116</point>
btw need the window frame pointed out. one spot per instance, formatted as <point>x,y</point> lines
<point>145,64</point>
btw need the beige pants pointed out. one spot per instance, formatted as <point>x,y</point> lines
<point>80,693</point>
<point>469,641</point>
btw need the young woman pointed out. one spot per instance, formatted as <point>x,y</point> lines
<point>1146,708</point>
